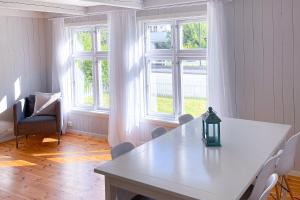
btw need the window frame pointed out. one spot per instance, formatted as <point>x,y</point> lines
<point>176,54</point>
<point>95,56</point>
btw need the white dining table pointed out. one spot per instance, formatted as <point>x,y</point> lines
<point>178,165</point>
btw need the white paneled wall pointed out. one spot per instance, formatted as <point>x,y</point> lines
<point>267,61</point>
<point>88,122</point>
<point>22,60</point>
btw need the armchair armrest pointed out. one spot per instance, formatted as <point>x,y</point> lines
<point>59,116</point>
<point>18,112</point>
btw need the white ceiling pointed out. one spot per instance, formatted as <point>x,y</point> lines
<point>89,3</point>
<point>85,3</point>
<point>86,7</point>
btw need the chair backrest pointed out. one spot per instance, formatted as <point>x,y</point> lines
<point>185,118</point>
<point>262,178</point>
<point>120,149</point>
<point>158,132</point>
<point>287,158</point>
<point>271,182</point>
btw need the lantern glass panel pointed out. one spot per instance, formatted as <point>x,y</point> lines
<point>211,133</point>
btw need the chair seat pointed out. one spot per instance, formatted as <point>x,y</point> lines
<point>37,124</point>
<point>38,119</point>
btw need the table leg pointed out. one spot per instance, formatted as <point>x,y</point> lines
<point>110,191</point>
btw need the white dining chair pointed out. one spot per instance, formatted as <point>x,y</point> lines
<point>115,153</point>
<point>286,163</point>
<point>271,182</point>
<point>121,149</point>
<point>183,119</point>
<point>263,176</point>
<point>158,132</point>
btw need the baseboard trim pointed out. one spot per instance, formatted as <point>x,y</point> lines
<point>78,132</point>
<point>6,139</point>
<point>295,173</point>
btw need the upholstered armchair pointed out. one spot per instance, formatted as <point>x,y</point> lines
<point>25,124</point>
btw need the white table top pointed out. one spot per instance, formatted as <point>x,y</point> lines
<point>180,163</point>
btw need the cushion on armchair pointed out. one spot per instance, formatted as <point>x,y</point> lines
<point>45,103</point>
<point>29,105</point>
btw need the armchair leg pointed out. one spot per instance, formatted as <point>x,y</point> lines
<point>17,142</point>
<point>58,138</point>
<point>61,132</point>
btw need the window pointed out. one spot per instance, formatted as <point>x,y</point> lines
<point>90,68</point>
<point>176,67</point>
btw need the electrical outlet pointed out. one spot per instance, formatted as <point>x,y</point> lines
<point>70,124</point>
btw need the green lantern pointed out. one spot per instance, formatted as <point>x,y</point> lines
<point>211,128</point>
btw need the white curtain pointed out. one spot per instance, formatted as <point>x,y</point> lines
<point>61,71</point>
<point>125,72</point>
<point>221,69</point>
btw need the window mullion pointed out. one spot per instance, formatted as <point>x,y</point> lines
<point>95,76</point>
<point>176,83</point>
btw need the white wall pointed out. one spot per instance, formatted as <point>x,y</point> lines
<point>22,58</point>
<point>94,123</point>
<point>267,61</point>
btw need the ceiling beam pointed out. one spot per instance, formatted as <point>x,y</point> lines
<point>93,10</point>
<point>30,5</point>
<point>135,4</point>
<point>152,4</point>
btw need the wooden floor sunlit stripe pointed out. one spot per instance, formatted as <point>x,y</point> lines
<point>42,170</point>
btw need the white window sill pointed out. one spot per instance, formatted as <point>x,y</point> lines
<point>87,112</point>
<point>160,122</point>
<point>146,119</point>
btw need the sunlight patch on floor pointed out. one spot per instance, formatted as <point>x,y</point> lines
<point>48,140</point>
<point>15,163</point>
<point>78,159</point>
<point>69,153</point>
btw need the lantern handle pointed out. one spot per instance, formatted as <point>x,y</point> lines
<point>211,110</point>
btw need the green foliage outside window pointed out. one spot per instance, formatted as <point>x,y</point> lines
<point>84,38</point>
<point>104,39</point>
<point>105,73</point>
<point>164,45</point>
<point>194,35</point>
<point>86,67</point>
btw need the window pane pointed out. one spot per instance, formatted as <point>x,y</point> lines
<point>159,36</point>
<point>83,41</point>
<point>102,39</point>
<point>193,35</point>
<point>84,82</point>
<point>161,86</point>
<point>103,74</point>
<point>194,86</point>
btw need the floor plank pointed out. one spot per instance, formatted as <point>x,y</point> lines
<point>40,169</point>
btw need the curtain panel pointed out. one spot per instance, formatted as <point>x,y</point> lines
<point>125,83</point>
<point>221,70</point>
<point>61,65</point>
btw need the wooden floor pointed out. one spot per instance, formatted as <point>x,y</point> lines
<point>42,170</point>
